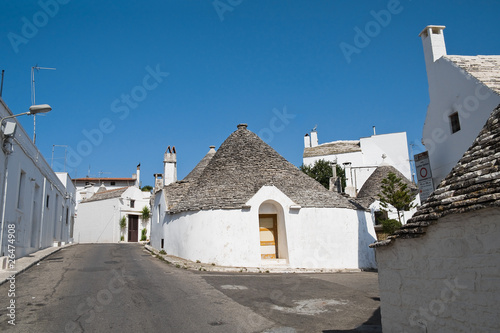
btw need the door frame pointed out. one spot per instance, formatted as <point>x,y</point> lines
<point>275,232</point>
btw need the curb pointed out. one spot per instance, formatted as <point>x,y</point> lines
<point>28,261</point>
<point>204,267</point>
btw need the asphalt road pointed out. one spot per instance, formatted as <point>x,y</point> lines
<point>122,288</point>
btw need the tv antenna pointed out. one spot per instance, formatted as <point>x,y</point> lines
<point>33,95</point>
<point>65,151</point>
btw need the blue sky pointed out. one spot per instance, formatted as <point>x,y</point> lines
<point>132,78</point>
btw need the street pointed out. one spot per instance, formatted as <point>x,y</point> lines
<point>123,288</point>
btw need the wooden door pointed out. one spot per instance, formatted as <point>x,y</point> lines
<point>133,228</point>
<point>268,236</point>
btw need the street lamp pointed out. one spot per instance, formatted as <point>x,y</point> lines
<point>11,127</point>
<point>34,109</point>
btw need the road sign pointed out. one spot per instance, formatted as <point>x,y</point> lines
<point>424,175</point>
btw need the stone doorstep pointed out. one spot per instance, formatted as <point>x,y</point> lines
<point>271,268</point>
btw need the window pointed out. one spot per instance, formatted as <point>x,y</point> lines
<point>113,183</point>
<point>47,201</point>
<point>454,122</point>
<point>132,203</point>
<point>20,194</point>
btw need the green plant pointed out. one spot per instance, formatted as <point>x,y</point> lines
<point>123,222</point>
<point>145,213</point>
<point>122,238</point>
<point>163,252</point>
<point>177,265</point>
<point>198,262</point>
<point>396,193</point>
<point>321,171</point>
<point>147,188</point>
<point>389,226</point>
<point>143,234</point>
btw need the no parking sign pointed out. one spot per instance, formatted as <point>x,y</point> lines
<point>424,175</point>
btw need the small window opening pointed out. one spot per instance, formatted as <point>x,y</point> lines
<point>113,183</point>
<point>132,203</point>
<point>454,122</point>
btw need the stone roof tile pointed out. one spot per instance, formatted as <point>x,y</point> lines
<point>240,167</point>
<point>332,148</point>
<point>474,183</point>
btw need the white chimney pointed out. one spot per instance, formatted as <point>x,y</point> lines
<point>138,176</point>
<point>314,138</point>
<point>307,141</point>
<point>433,42</point>
<point>170,166</point>
<point>434,48</point>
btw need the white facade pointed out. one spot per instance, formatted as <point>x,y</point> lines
<point>445,281</point>
<point>99,220</point>
<point>453,90</point>
<point>390,148</point>
<point>87,186</point>
<point>335,238</point>
<point>35,204</point>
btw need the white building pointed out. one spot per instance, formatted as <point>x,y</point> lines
<point>360,157</point>
<point>440,272</point>
<point>36,205</point>
<point>245,205</point>
<point>99,216</point>
<point>87,186</point>
<point>463,90</point>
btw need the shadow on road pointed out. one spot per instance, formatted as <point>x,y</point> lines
<point>372,325</point>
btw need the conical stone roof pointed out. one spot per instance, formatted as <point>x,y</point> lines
<point>373,186</point>
<point>240,167</point>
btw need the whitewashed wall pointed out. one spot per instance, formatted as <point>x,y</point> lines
<point>364,162</point>
<point>99,221</point>
<point>446,281</point>
<point>308,237</point>
<point>450,90</point>
<point>38,224</point>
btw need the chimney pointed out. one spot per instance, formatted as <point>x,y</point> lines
<point>138,176</point>
<point>158,181</point>
<point>314,138</point>
<point>170,166</point>
<point>433,42</point>
<point>307,141</point>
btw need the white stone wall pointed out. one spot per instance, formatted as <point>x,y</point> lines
<point>364,162</point>
<point>307,237</point>
<point>38,223</point>
<point>98,221</point>
<point>453,90</point>
<point>446,281</point>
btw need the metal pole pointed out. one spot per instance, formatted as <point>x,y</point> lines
<point>1,85</point>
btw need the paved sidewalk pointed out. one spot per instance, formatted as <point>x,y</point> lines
<point>204,267</point>
<point>26,262</point>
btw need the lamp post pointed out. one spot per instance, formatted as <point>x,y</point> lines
<point>6,133</point>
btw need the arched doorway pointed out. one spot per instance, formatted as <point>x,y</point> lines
<point>273,243</point>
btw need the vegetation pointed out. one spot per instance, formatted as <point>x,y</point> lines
<point>395,193</point>
<point>143,234</point>
<point>145,213</point>
<point>390,226</point>
<point>322,172</point>
<point>163,252</point>
<point>147,188</point>
<point>123,222</point>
